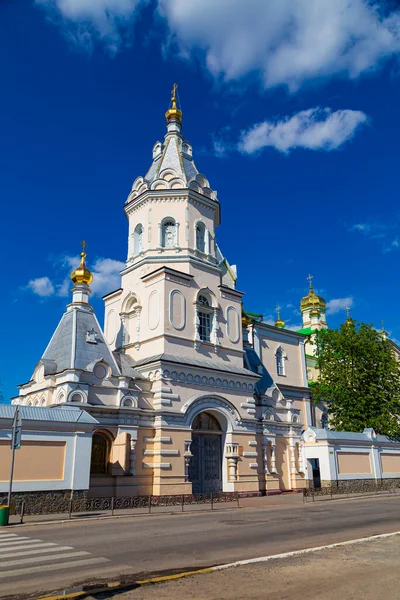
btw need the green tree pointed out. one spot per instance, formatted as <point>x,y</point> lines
<point>359,379</point>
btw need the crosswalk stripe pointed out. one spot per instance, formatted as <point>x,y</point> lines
<point>26,546</point>
<point>13,540</point>
<point>57,567</point>
<point>38,551</point>
<point>38,559</point>
<point>17,541</point>
<point>4,536</point>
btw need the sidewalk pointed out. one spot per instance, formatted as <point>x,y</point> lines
<point>248,503</point>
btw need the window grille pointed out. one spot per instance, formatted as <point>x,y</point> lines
<point>200,237</point>
<point>204,326</point>
<point>280,364</point>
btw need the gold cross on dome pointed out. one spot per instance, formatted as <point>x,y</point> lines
<point>278,309</point>
<point>347,309</point>
<point>310,278</point>
<point>84,245</point>
<point>173,91</point>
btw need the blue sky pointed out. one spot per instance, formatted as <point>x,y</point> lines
<point>292,111</point>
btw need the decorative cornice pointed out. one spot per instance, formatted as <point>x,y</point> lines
<point>185,194</point>
<point>167,271</point>
<point>227,291</point>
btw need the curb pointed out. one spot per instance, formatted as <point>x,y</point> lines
<point>120,587</point>
<point>117,586</point>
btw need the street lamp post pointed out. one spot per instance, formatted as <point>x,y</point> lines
<point>15,445</point>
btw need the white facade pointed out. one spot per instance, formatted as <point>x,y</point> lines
<point>174,347</point>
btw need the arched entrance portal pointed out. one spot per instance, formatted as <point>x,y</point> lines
<point>205,469</point>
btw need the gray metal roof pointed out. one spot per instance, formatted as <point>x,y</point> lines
<point>255,364</point>
<point>69,348</point>
<point>70,414</point>
<point>351,436</point>
<point>215,365</point>
<point>172,158</point>
<point>127,365</point>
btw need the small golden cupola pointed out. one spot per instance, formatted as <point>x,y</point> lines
<point>279,322</point>
<point>173,112</point>
<point>313,309</point>
<point>82,275</point>
<point>348,317</point>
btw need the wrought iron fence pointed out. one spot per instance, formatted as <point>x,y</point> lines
<point>48,504</point>
<point>352,487</point>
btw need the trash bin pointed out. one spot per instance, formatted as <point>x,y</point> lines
<point>4,514</point>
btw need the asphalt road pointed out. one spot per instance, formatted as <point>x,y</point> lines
<point>365,571</point>
<point>34,558</point>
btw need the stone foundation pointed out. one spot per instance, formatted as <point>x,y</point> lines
<point>41,503</point>
<point>353,486</point>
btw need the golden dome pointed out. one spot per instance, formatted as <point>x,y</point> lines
<point>82,274</point>
<point>245,320</point>
<point>173,112</point>
<point>312,300</point>
<point>279,322</point>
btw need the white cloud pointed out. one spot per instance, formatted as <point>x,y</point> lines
<point>382,232</point>
<point>313,129</point>
<point>85,21</point>
<point>41,286</point>
<point>285,42</point>
<point>105,272</point>
<point>106,277</point>
<point>337,304</point>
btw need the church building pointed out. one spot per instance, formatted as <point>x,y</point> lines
<point>192,395</point>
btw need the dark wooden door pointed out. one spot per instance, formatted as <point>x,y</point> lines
<point>205,469</point>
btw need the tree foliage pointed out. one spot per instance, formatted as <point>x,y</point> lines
<point>359,379</point>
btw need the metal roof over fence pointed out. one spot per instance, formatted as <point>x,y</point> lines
<point>71,414</point>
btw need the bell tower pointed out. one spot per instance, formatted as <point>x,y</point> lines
<point>175,297</point>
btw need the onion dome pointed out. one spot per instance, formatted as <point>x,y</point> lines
<point>312,301</point>
<point>245,320</point>
<point>173,112</point>
<point>82,274</point>
<point>279,322</point>
<point>348,320</point>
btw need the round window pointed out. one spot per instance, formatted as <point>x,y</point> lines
<point>100,371</point>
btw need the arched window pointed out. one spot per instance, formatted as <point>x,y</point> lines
<point>280,361</point>
<point>206,422</point>
<point>204,318</point>
<point>138,240</point>
<point>101,447</point>
<point>168,239</point>
<point>200,237</point>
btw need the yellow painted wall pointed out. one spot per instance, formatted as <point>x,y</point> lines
<point>390,463</point>
<point>34,461</point>
<point>353,463</point>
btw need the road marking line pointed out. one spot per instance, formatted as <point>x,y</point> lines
<point>37,559</point>
<point>17,541</point>
<point>4,536</point>
<point>250,561</point>
<point>39,551</point>
<point>35,544</point>
<point>42,568</point>
<point>171,577</point>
